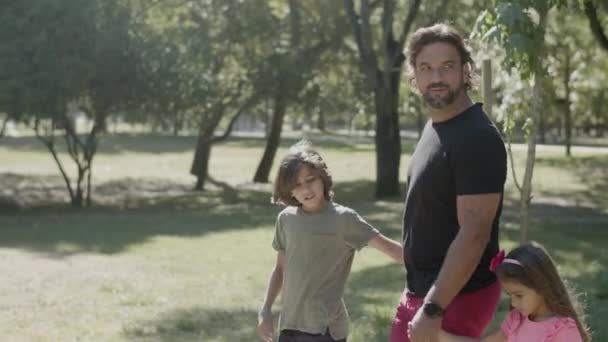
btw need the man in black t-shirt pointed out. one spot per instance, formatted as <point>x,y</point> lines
<point>453,201</point>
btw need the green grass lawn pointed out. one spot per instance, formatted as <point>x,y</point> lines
<point>153,261</point>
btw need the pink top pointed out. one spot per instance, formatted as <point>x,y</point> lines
<point>518,328</point>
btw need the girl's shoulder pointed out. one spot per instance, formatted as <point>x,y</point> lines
<point>563,329</point>
<point>556,329</point>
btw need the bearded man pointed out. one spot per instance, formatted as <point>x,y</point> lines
<point>455,185</point>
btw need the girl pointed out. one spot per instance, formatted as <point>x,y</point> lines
<point>541,307</point>
<point>315,239</point>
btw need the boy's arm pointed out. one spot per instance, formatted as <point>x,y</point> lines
<point>275,283</point>
<point>497,336</point>
<point>387,246</point>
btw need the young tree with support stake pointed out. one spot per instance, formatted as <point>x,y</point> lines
<point>519,27</point>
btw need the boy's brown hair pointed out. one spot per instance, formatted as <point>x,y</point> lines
<point>538,272</point>
<point>299,155</point>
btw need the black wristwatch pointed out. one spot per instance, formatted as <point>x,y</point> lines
<point>433,310</point>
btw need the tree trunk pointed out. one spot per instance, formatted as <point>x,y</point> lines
<point>200,163</point>
<point>321,120</point>
<point>89,200</point>
<point>486,87</point>
<point>542,128</point>
<point>287,86</point>
<point>206,137</point>
<point>388,143</point>
<point>383,75</point>
<point>202,153</point>
<point>3,126</point>
<point>274,137</point>
<point>64,174</point>
<point>595,24</point>
<point>567,113</point>
<point>526,192</point>
<point>49,142</point>
<point>78,199</point>
<point>537,108</point>
<point>178,124</point>
<point>92,142</point>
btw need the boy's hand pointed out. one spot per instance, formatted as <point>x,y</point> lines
<point>265,326</point>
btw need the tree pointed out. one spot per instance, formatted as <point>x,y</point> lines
<point>383,70</point>
<point>291,63</point>
<point>75,57</point>
<point>200,65</point>
<point>381,60</point>
<point>588,85</point>
<point>519,27</point>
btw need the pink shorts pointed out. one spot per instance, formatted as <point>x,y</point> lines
<point>468,315</point>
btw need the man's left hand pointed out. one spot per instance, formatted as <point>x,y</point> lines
<point>423,328</point>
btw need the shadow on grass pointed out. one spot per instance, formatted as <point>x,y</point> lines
<point>592,172</point>
<point>196,324</point>
<point>575,239</point>
<point>555,211</point>
<point>113,143</point>
<point>361,191</point>
<point>162,143</point>
<point>333,141</point>
<point>372,296</point>
<point>376,287</point>
<point>137,211</point>
<point>60,230</point>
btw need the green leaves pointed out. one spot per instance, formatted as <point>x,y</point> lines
<point>59,51</point>
<point>518,27</point>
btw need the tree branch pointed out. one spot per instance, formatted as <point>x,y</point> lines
<point>73,142</point>
<point>409,21</point>
<point>295,22</point>
<point>50,145</point>
<point>388,13</point>
<point>595,25</point>
<point>361,30</point>
<point>250,102</point>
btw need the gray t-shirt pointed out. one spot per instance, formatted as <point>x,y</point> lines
<point>319,250</point>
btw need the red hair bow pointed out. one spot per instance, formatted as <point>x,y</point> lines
<point>497,260</point>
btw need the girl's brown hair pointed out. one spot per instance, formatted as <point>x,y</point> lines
<point>299,155</point>
<point>538,272</point>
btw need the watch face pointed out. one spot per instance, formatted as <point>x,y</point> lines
<point>433,310</point>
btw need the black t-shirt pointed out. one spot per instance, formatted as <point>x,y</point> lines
<point>461,156</point>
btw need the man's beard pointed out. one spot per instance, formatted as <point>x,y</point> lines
<point>439,101</point>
